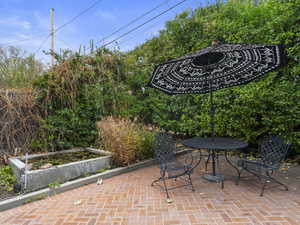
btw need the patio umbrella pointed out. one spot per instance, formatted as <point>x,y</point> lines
<point>216,67</point>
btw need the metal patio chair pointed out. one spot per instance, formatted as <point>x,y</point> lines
<point>273,152</point>
<point>170,166</point>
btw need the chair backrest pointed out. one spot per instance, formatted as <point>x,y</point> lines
<point>164,148</point>
<point>274,150</point>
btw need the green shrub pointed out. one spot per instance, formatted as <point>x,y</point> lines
<point>73,95</point>
<point>129,142</point>
<point>7,178</point>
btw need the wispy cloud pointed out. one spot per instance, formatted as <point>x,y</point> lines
<point>16,1</point>
<point>154,30</point>
<point>16,22</point>
<point>42,21</point>
<point>106,15</point>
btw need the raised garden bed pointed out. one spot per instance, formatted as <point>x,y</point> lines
<point>60,159</point>
<point>58,167</point>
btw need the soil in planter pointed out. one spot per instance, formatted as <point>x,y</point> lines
<point>62,158</point>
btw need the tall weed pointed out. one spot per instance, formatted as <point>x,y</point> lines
<point>128,141</point>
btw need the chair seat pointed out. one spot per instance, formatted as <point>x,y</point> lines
<point>255,165</point>
<point>273,152</point>
<point>177,168</point>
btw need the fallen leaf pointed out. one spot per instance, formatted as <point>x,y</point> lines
<point>78,202</point>
<point>169,200</point>
<point>99,181</point>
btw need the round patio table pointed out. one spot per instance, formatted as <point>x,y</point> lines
<point>215,145</point>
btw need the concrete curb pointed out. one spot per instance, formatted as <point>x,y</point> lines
<point>37,195</point>
<point>41,194</point>
<point>40,178</point>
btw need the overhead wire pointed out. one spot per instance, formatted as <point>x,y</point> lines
<point>67,23</point>
<point>142,24</point>
<point>130,38</point>
<point>42,44</point>
<point>119,29</point>
<point>59,28</point>
<point>22,40</point>
<point>135,20</point>
<point>78,15</point>
<point>64,42</point>
<point>120,43</point>
<point>144,30</point>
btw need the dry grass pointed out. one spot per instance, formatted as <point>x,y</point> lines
<point>19,120</point>
<point>128,141</point>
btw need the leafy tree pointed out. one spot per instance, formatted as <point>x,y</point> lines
<point>17,69</point>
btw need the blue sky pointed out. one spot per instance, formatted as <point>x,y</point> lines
<point>22,19</point>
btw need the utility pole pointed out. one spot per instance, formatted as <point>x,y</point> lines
<point>52,35</point>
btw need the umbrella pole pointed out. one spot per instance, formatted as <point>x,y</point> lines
<point>212,114</point>
<point>212,123</point>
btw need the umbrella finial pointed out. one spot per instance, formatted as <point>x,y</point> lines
<point>216,42</point>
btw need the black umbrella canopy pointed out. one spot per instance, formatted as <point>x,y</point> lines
<point>216,67</point>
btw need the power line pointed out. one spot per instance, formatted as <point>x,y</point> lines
<point>130,38</point>
<point>59,28</point>
<point>147,21</point>
<point>144,30</point>
<point>134,20</point>
<point>42,44</point>
<point>23,40</point>
<point>64,42</point>
<point>65,24</point>
<point>78,15</point>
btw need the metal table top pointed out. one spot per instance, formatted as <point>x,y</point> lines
<point>214,143</point>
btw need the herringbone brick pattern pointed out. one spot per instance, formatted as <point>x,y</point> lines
<point>129,199</point>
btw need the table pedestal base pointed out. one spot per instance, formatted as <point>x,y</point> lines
<point>213,177</point>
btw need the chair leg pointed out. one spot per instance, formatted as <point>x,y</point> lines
<point>266,178</point>
<point>166,189</point>
<point>157,180</point>
<point>233,166</point>
<point>222,184</point>
<point>278,182</point>
<point>219,170</point>
<point>191,182</point>
<point>263,188</point>
<point>207,161</point>
<point>238,178</point>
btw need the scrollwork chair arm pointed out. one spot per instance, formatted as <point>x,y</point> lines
<point>189,159</point>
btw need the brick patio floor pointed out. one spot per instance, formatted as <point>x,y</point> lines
<point>129,199</point>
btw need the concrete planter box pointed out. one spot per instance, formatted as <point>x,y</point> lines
<point>37,179</point>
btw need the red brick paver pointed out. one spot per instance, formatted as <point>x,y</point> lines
<point>129,199</point>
